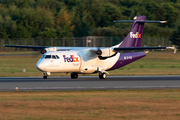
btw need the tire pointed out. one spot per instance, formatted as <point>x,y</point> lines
<point>74,75</point>
<point>45,77</point>
<point>102,76</point>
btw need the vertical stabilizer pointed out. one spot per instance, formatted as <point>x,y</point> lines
<point>134,37</point>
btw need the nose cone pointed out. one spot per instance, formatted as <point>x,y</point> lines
<point>40,66</point>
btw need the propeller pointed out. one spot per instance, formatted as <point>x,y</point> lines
<point>99,52</point>
<point>43,51</point>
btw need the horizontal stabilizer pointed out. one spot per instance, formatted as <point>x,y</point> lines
<point>126,21</point>
<point>148,21</point>
<point>124,49</point>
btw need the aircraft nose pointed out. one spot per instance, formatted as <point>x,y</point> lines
<point>40,66</point>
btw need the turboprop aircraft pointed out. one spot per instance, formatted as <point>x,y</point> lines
<point>89,60</point>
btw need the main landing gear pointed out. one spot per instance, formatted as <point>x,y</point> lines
<point>74,75</point>
<point>102,76</point>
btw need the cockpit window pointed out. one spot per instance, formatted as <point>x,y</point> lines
<point>50,56</point>
<point>53,57</point>
<point>57,57</point>
<point>47,56</point>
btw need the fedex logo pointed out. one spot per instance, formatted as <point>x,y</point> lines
<point>70,59</point>
<point>137,35</point>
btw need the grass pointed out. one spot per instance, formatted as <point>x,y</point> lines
<point>157,104</point>
<point>88,105</point>
<point>155,63</point>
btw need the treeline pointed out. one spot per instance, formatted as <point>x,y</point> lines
<point>77,18</point>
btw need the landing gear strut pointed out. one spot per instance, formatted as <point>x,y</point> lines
<point>74,75</point>
<point>102,76</point>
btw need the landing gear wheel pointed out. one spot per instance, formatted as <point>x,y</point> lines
<point>74,75</point>
<point>102,76</point>
<point>45,77</point>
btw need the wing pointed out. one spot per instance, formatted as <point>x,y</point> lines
<point>58,48</point>
<point>44,49</point>
<point>26,46</point>
<point>86,50</point>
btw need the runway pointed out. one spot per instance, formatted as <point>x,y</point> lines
<point>89,83</point>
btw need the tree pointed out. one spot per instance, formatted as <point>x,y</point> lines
<point>64,23</point>
<point>71,3</point>
<point>67,18</point>
<point>175,37</point>
<point>7,27</point>
<point>47,33</point>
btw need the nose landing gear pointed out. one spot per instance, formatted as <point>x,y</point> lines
<point>46,75</point>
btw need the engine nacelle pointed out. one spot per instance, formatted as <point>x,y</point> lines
<point>107,52</point>
<point>48,49</point>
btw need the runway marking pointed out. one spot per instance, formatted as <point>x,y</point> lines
<point>84,88</point>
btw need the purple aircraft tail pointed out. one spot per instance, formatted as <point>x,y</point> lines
<point>134,38</point>
<point>131,45</point>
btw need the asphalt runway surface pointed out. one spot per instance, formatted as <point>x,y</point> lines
<point>89,83</point>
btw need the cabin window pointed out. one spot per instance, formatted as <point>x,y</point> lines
<point>47,56</point>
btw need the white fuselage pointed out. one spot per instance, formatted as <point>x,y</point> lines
<point>74,61</point>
